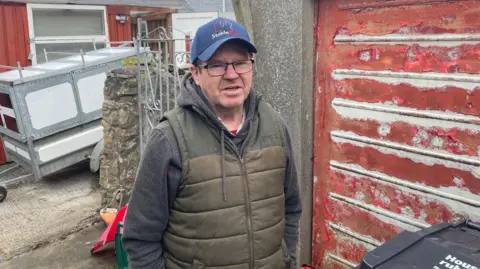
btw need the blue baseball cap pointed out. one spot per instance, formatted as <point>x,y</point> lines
<point>210,36</point>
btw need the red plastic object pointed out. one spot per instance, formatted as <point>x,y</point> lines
<point>107,240</point>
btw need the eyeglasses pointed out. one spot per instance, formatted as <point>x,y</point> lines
<point>219,69</point>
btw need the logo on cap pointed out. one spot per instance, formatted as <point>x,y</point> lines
<point>223,27</point>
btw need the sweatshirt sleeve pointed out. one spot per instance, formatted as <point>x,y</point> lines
<point>153,194</point>
<point>293,204</point>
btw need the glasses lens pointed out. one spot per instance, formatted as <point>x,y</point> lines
<point>219,69</point>
<point>243,67</point>
<point>216,69</point>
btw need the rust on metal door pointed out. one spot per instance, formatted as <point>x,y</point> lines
<point>397,121</point>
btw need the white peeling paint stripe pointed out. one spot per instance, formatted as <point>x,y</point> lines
<point>442,44</point>
<point>354,234</point>
<point>388,144</point>
<point>416,116</point>
<point>356,169</point>
<point>400,37</point>
<point>341,260</point>
<point>431,80</point>
<point>386,114</point>
<point>378,210</point>
<point>442,40</point>
<point>418,158</point>
<point>473,78</point>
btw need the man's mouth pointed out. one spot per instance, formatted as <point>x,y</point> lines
<point>232,88</point>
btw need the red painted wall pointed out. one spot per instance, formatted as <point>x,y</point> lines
<point>13,42</point>
<point>13,35</point>
<point>118,31</point>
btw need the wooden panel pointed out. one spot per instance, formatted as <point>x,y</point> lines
<point>14,35</point>
<point>22,28</point>
<point>14,48</point>
<point>397,122</point>
<point>118,31</point>
<point>3,35</point>
<point>112,28</point>
<point>127,31</point>
<point>11,35</point>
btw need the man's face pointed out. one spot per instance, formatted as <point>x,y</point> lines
<point>229,90</point>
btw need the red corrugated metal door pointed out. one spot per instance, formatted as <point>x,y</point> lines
<point>397,121</point>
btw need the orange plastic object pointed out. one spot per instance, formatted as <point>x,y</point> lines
<point>108,215</point>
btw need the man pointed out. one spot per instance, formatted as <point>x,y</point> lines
<point>216,186</point>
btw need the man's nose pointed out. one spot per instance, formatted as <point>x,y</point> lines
<point>230,73</point>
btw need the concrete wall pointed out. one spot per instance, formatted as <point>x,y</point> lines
<point>283,34</point>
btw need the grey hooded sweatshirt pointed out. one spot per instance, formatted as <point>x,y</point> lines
<point>159,178</point>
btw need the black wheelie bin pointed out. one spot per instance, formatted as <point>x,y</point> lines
<point>441,246</point>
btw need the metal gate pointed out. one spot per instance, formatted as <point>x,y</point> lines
<point>397,122</point>
<point>162,69</point>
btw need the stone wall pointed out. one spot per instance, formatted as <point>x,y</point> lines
<point>121,122</point>
<point>120,157</point>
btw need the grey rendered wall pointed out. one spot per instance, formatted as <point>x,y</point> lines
<point>283,33</point>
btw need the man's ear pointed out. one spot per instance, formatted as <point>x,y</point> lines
<point>195,75</point>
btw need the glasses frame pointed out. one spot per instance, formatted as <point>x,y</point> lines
<point>206,67</point>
